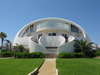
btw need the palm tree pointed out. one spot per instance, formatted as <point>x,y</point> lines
<point>82,46</point>
<point>8,42</point>
<point>20,48</point>
<point>2,36</point>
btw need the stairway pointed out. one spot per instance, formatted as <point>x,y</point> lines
<point>51,55</point>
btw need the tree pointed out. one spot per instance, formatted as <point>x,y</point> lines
<point>83,46</point>
<point>21,48</point>
<point>2,36</point>
<point>8,44</point>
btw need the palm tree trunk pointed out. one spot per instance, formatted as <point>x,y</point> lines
<point>2,43</point>
<point>10,46</point>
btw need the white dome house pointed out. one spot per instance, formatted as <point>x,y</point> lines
<point>50,35</point>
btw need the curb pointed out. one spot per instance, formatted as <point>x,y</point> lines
<point>56,71</point>
<point>33,72</point>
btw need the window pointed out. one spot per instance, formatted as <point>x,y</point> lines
<point>74,29</point>
<point>20,35</point>
<point>27,30</point>
<point>66,23</point>
<point>49,34</point>
<point>39,35</point>
<point>31,28</point>
<point>65,36</point>
<point>53,24</point>
<point>53,34</point>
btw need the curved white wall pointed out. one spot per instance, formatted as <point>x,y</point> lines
<point>52,41</point>
<point>24,41</point>
<point>44,41</point>
<point>34,47</point>
<point>67,47</point>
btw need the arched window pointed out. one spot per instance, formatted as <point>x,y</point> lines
<point>74,29</point>
<point>31,28</point>
<point>27,30</point>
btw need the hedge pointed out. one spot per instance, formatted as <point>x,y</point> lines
<point>63,55</point>
<point>97,53</point>
<point>70,55</point>
<point>77,55</point>
<point>6,54</point>
<point>29,55</point>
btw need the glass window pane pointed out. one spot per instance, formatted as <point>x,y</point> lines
<point>49,34</point>
<point>27,30</point>
<point>31,28</point>
<point>53,24</point>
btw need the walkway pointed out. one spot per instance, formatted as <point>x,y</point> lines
<point>48,67</point>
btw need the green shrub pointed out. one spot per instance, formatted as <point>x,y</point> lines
<point>6,54</point>
<point>90,54</point>
<point>4,50</point>
<point>21,55</point>
<point>97,53</point>
<point>77,55</point>
<point>29,55</point>
<point>63,55</point>
<point>37,55</point>
<point>71,55</point>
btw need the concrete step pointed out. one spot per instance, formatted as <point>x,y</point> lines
<point>51,55</point>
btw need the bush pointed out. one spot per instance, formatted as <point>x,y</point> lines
<point>90,54</point>
<point>6,54</point>
<point>77,55</point>
<point>20,48</point>
<point>97,53</point>
<point>71,55</point>
<point>37,55</point>
<point>29,55</point>
<point>3,50</point>
<point>21,55</point>
<point>63,55</point>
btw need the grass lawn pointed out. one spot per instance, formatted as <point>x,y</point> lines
<point>83,66</point>
<point>18,66</point>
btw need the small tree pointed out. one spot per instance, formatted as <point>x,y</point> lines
<point>20,48</point>
<point>83,46</point>
<point>8,44</point>
<point>2,36</point>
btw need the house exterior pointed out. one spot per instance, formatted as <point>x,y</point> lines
<point>50,35</point>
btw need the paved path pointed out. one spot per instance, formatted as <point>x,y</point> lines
<point>48,67</point>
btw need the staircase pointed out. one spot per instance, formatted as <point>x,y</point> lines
<point>51,55</point>
<point>51,52</point>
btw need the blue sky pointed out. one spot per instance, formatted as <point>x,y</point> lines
<point>14,14</point>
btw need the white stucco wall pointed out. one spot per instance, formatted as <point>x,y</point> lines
<point>47,41</point>
<point>34,47</point>
<point>52,41</point>
<point>22,40</point>
<point>68,47</point>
